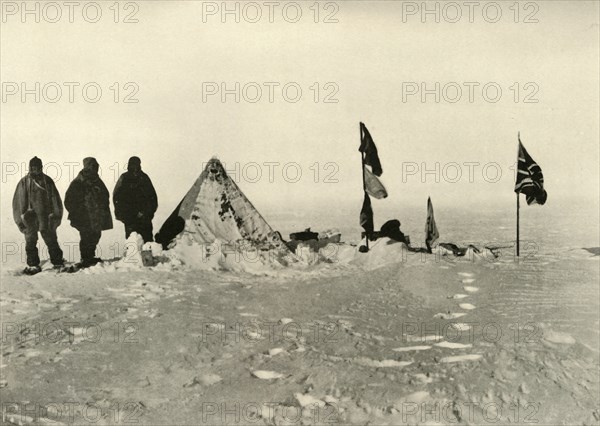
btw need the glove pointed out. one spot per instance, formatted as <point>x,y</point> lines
<point>29,219</point>
<point>22,227</point>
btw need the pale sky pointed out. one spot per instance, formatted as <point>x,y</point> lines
<point>367,58</point>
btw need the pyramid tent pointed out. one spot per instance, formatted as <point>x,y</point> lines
<point>216,209</point>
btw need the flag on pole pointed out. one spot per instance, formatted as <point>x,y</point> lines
<point>366,216</point>
<point>530,180</point>
<point>373,185</point>
<point>431,232</point>
<point>367,146</point>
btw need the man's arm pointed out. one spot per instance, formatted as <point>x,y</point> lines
<point>153,201</point>
<point>20,204</point>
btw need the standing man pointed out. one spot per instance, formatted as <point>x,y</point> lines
<point>135,200</point>
<point>37,207</point>
<point>87,201</point>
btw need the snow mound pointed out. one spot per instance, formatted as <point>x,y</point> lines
<point>382,252</point>
<point>470,254</point>
<point>221,256</point>
<point>132,258</point>
<point>244,257</point>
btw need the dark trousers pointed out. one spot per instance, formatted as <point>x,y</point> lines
<point>87,244</point>
<point>51,240</point>
<point>144,228</point>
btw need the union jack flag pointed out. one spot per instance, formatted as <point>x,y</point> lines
<point>530,180</point>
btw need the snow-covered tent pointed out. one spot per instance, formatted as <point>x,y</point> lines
<point>216,209</point>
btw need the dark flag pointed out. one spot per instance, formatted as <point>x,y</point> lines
<point>367,146</point>
<point>366,216</point>
<point>530,180</point>
<point>431,231</point>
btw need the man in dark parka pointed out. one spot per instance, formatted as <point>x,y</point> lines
<point>135,200</point>
<point>37,207</point>
<point>87,201</point>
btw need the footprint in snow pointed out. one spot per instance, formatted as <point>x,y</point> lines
<point>453,345</point>
<point>461,326</point>
<point>557,337</point>
<point>307,400</point>
<point>468,281</point>
<point>428,338</point>
<point>461,358</point>
<point>423,378</point>
<point>252,335</point>
<point>205,380</point>
<point>416,397</point>
<point>466,306</point>
<point>458,296</point>
<point>412,348</point>
<point>267,375</point>
<point>471,289</point>
<point>367,362</point>
<point>465,274</point>
<point>449,315</point>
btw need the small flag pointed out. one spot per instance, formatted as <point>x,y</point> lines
<point>366,216</point>
<point>368,147</point>
<point>373,185</point>
<point>530,180</point>
<point>431,231</point>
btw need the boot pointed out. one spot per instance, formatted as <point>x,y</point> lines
<point>32,270</point>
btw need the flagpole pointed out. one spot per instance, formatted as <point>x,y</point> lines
<point>519,138</point>
<point>517,224</point>
<point>362,169</point>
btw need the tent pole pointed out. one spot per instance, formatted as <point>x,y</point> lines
<point>517,224</point>
<point>362,155</point>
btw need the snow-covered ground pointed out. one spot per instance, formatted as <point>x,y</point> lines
<point>387,337</point>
